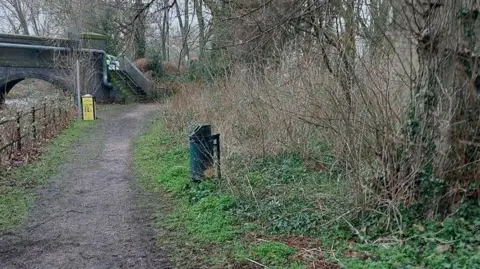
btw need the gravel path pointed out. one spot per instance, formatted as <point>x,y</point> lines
<point>90,216</point>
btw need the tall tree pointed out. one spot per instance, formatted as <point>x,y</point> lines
<point>19,13</point>
<point>184,24</point>
<point>139,29</point>
<point>202,39</point>
<point>165,30</point>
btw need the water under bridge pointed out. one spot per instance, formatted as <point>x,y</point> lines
<point>53,60</point>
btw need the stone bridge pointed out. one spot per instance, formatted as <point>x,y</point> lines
<point>53,60</point>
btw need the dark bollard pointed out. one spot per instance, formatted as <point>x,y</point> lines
<point>202,153</point>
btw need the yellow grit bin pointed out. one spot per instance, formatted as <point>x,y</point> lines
<point>88,107</point>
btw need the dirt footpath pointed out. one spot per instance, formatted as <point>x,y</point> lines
<point>90,216</point>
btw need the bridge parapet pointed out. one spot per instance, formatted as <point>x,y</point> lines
<point>89,40</point>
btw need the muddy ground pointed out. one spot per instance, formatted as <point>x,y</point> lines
<point>90,215</point>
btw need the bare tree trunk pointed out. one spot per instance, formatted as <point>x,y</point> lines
<point>165,31</point>
<point>184,29</point>
<point>221,54</point>
<point>198,6</point>
<point>139,30</point>
<point>17,5</point>
<point>443,116</point>
<point>377,30</point>
<point>187,29</point>
<point>17,10</point>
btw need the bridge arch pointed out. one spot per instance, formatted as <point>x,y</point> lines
<point>58,77</point>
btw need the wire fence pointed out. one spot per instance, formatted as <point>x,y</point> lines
<point>22,131</point>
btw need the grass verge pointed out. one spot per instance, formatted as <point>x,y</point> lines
<point>17,186</point>
<point>283,212</point>
<point>201,221</point>
<point>197,221</point>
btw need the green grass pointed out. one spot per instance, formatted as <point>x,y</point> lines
<point>17,186</point>
<point>274,209</point>
<point>199,217</point>
<point>285,199</point>
<point>271,253</point>
<point>198,220</point>
<point>449,243</point>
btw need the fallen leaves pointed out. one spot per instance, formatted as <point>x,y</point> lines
<point>363,255</point>
<point>322,264</point>
<point>442,248</point>
<point>420,228</point>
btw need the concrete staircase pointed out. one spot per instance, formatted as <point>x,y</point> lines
<point>133,78</point>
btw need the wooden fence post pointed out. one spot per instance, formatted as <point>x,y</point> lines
<point>60,118</point>
<point>45,120</point>
<point>19,132</point>
<point>54,119</point>
<point>34,127</point>
<point>65,116</point>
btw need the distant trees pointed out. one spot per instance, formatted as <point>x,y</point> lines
<point>25,17</point>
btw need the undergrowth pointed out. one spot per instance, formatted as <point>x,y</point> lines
<point>201,223</point>
<point>278,212</point>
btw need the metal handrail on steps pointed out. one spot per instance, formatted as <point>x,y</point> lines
<point>136,75</point>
